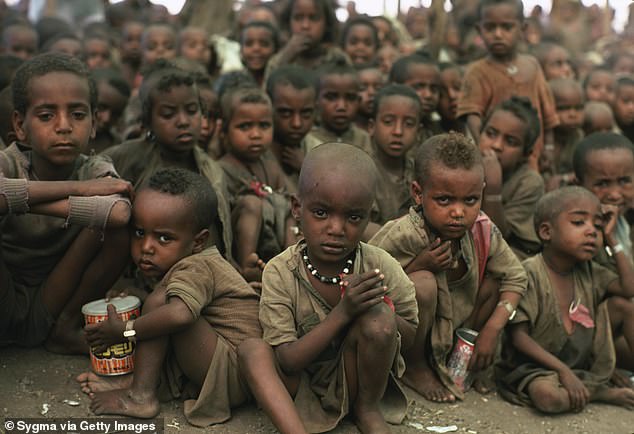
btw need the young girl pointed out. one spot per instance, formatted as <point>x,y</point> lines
<point>313,29</point>
<point>561,355</point>
<point>258,42</point>
<point>171,114</point>
<point>512,187</point>
<point>55,253</point>
<point>331,309</point>
<point>360,40</point>
<point>255,179</point>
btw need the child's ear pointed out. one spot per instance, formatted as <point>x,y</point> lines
<point>371,127</point>
<point>296,207</point>
<point>18,120</point>
<point>417,192</point>
<point>200,240</point>
<point>544,231</point>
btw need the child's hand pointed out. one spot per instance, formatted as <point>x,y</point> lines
<point>610,215</point>
<point>102,335</point>
<point>297,44</point>
<point>293,157</point>
<point>131,290</point>
<point>361,292</point>
<point>484,350</point>
<point>577,391</point>
<point>437,257</point>
<point>106,186</point>
<point>492,171</point>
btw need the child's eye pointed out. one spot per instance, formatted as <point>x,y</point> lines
<point>265,125</point>
<point>330,96</point>
<point>472,200</point>
<point>192,109</point>
<point>45,117</point>
<point>319,213</point>
<point>601,183</point>
<point>79,115</point>
<point>307,113</point>
<point>138,233</point>
<point>164,239</point>
<point>246,126</point>
<point>578,222</point>
<point>442,200</point>
<point>625,180</point>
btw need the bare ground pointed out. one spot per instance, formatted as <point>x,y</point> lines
<point>31,378</point>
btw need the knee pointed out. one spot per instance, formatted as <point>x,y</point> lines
<point>550,399</point>
<point>377,325</point>
<point>426,287</point>
<point>252,352</point>
<point>248,204</point>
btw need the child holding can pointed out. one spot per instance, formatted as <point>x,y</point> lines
<point>561,354</point>
<point>464,273</point>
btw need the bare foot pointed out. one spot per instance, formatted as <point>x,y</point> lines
<point>619,379</point>
<point>68,341</point>
<point>91,382</point>
<point>483,384</point>
<point>623,396</point>
<point>252,270</point>
<point>371,422</point>
<point>125,402</point>
<point>424,381</point>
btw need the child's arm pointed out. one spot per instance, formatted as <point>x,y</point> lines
<point>361,293</point>
<point>577,391</point>
<point>492,200</point>
<point>437,257</point>
<point>474,125</point>
<point>624,286</point>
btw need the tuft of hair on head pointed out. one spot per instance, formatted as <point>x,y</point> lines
<point>553,203</point>
<point>43,64</point>
<point>396,90</point>
<point>19,26</point>
<point>597,142</point>
<point>522,109</point>
<point>624,81</point>
<point>242,95</point>
<point>195,189</point>
<point>561,85</point>
<point>161,76</point>
<point>275,34</point>
<point>360,21</point>
<point>155,26</point>
<point>518,4</point>
<point>542,50</point>
<point>233,80</point>
<point>297,77</point>
<point>337,66</point>
<point>599,69</point>
<point>593,109</point>
<point>114,78</point>
<point>400,71</point>
<point>451,150</point>
<point>331,29</point>
<point>335,157</point>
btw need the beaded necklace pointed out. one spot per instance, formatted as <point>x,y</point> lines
<point>328,280</point>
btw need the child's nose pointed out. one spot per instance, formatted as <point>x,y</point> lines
<point>64,124</point>
<point>296,120</point>
<point>336,226</point>
<point>398,128</point>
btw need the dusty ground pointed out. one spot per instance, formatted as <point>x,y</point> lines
<point>31,378</point>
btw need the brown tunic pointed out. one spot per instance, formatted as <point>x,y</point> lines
<point>393,197</point>
<point>355,136</point>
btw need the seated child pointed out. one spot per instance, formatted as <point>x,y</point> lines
<point>599,85</point>
<point>260,208</point>
<point>19,40</point>
<point>360,40</point>
<point>63,230</point>
<point>512,187</point>
<point>561,354</point>
<point>332,309</point>
<point>597,118</point>
<point>171,113</point>
<point>504,72</point>
<point>200,310</point>
<point>259,41</point>
<point>371,80</point>
<point>337,87</point>
<point>292,94</point>
<point>624,106</point>
<point>193,44</point>
<point>113,93</point>
<point>554,60</point>
<point>447,259</point>
<point>97,52</point>
<point>394,131</point>
<point>422,75</point>
<point>450,88</point>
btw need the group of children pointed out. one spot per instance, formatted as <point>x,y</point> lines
<point>314,240</point>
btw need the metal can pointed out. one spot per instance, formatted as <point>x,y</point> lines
<point>460,356</point>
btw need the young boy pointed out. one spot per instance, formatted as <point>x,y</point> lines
<point>198,313</point>
<point>599,86</point>
<point>63,231</point>
<point>372,80</point>
<point>504,73</point>
<point>337,103</point>
<point>332,308</point>
<point>597,118</point>
<point>292,94</point>
<point>97,52</point>
<point>193,44</point>
<point>624,106</point>
<point>447,258</point>
<point>561,355</point>
<point>19,40</point>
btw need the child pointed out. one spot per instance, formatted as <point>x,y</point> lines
<point>504,72</point>
<point>158,42</point>
<point>97,52</point>
<point>450,88</point>
<point>260,209</point>
<point>597,117</point>
<point>258,42</point>
<point>193,44</point>
<point>512,187</point>
<point>447,258</point>
<point>19,40</point>
<point>561,355</point>
<point>335,339</point>
<point>624,106</point>
<point>386,56</point>
<point>67,43</point>
<point>371,80</point>
<point>554,60</point>
<point>198,313</point>
<point>423,76</point>
<point>338,103</point>
<point>64,231</point>
<point>394,129</point>
<point>360,40</point>
<point>599,86</point>
<point>292,94</point>
<point>130,49</point>
<point>171,114</point>
<point>113,93</point>
<point>209,128</point>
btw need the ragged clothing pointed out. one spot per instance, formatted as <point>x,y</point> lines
<point>393,197</point>
<point>354,136</point>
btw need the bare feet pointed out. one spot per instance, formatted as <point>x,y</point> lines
<point>623,396</point>
<point>125,402</point>
<point>483,383</point>
<point>252,270</point>
<point>619,379</point>
<point>91,382</point>
<point>424,381</point>
<point>66,341</point>
<point>371,422</point>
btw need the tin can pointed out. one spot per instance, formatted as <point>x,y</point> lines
<point>460,356</point>
<point>119,358</point>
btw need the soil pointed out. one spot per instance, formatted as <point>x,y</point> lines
<point>31,378</point>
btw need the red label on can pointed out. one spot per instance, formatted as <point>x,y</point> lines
<point>459,361</point>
